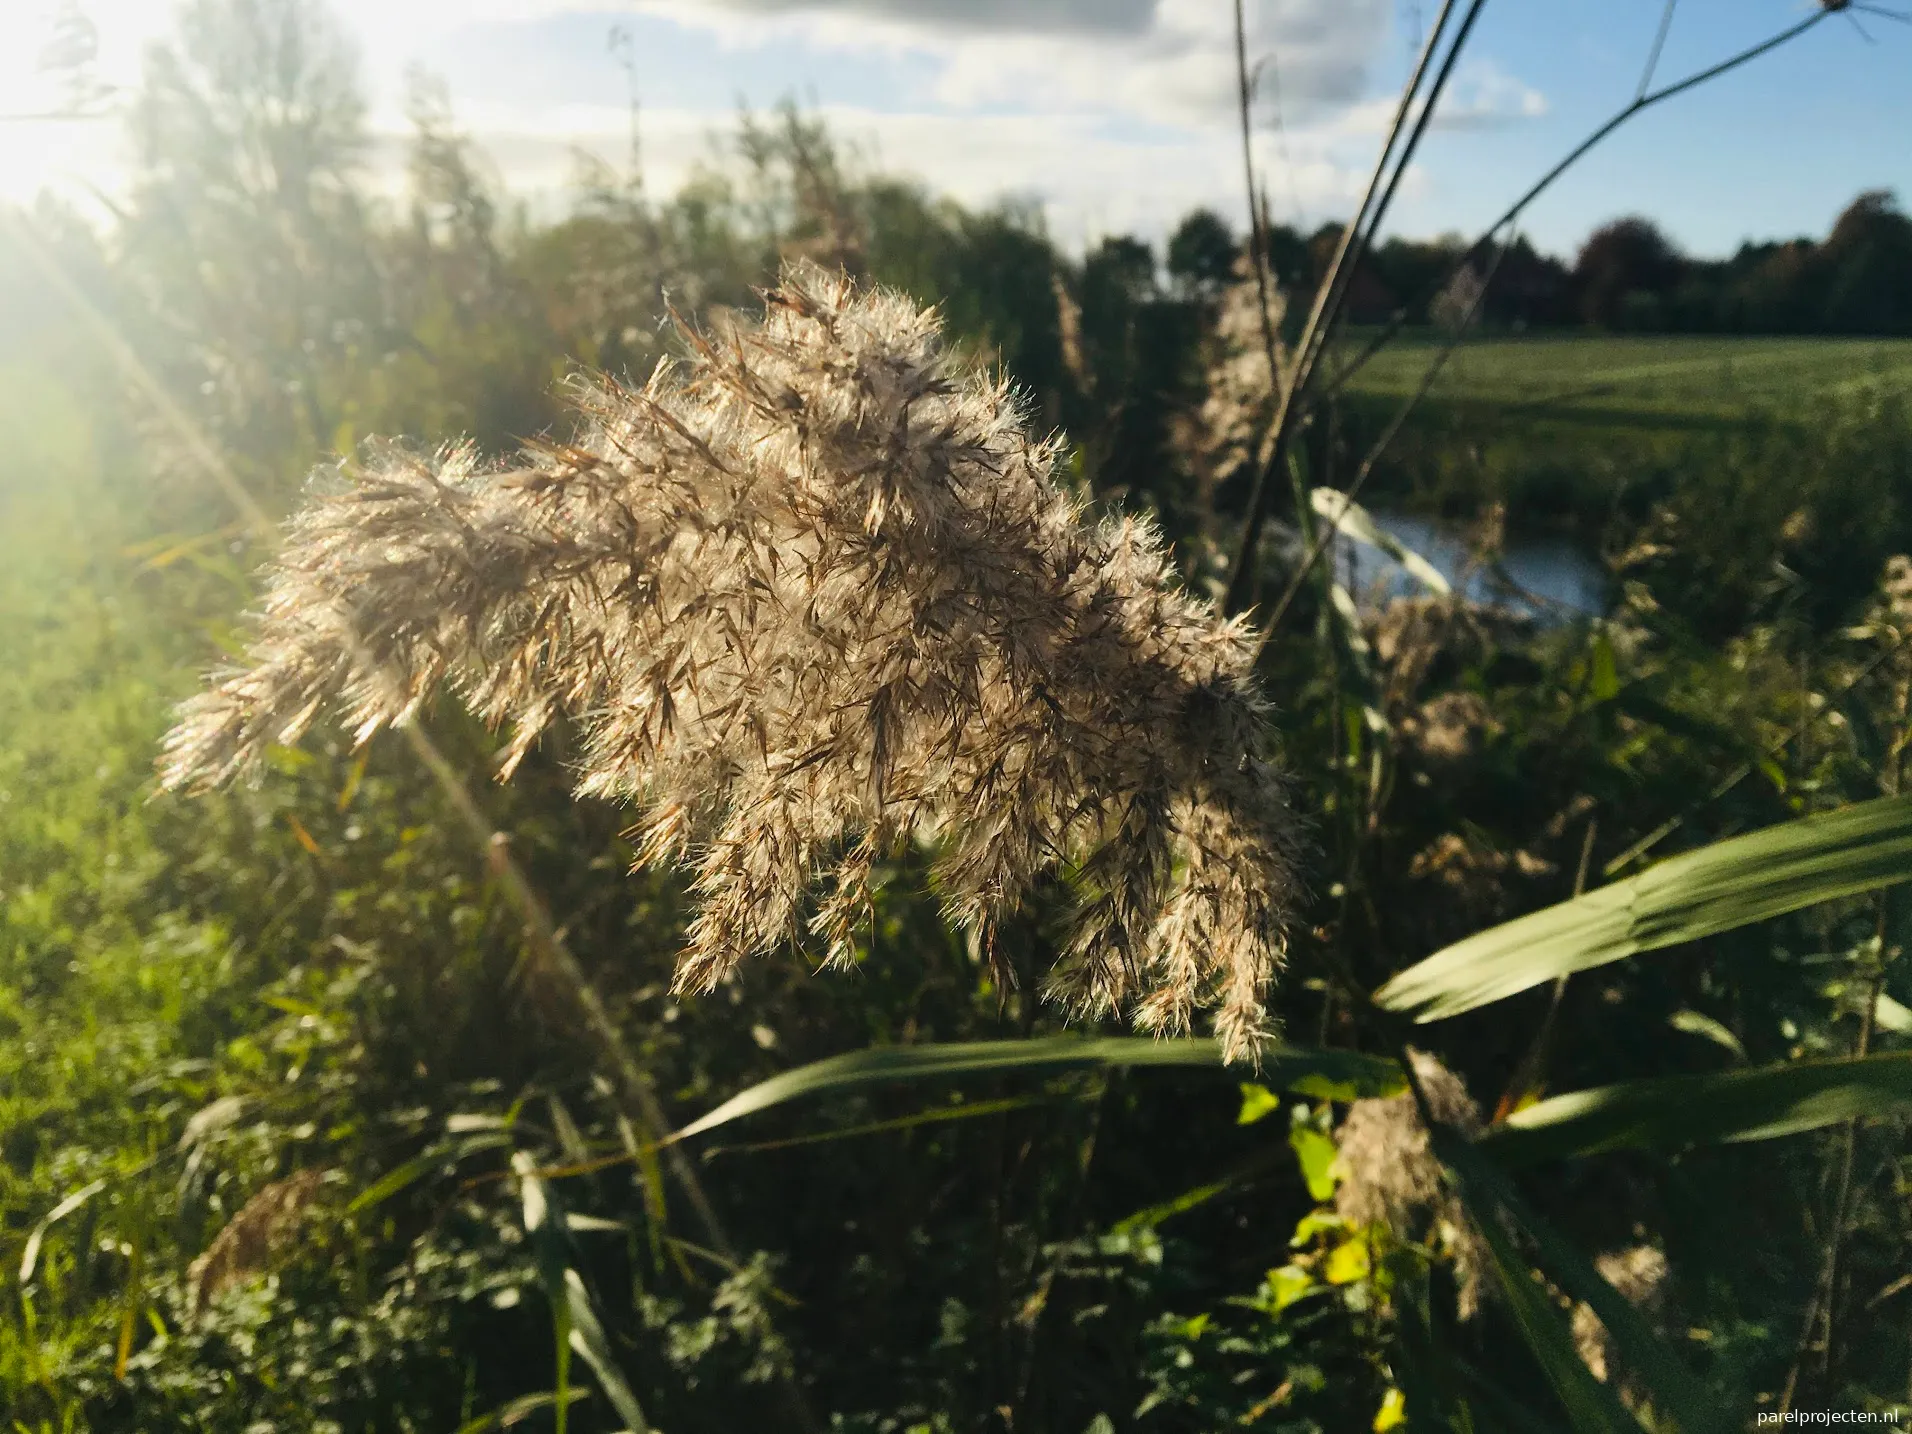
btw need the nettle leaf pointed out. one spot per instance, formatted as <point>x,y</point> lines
<point>1316,1153</point>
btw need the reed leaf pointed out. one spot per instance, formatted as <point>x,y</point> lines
<point>1343,1074</point>
<point>1679,1397</point>
<point>520,1409</point>
<point>571,1308</point>
<point>1716,888</point>
<point>1673,1112</point>
<point>1591,1407</point>
<point>30,1256</point>
<point>1358,523</point>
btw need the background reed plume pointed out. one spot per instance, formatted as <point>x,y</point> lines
<point>1391,1176</point>
<point>810,597</point>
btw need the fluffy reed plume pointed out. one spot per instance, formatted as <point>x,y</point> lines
<point>1223,435</point>
<point>1638,1274</point>
<point>1390,1175</point>
<point>811,598</point>
<point>254,1239</point>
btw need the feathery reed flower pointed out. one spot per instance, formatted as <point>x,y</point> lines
<point>258,1236</point>
<point>812,597</point>
<point>1391,1177</point>
<point>1241,392</point>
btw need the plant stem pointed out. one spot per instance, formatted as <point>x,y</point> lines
<point>1328,299</point>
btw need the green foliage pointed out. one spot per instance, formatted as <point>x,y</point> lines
<point>1728,884</point>
<point>1290,1067</point>
<point>941,1206</point>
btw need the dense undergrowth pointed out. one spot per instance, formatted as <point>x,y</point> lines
<point>286,1101</point>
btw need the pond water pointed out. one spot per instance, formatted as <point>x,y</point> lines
<point>1549,578</point>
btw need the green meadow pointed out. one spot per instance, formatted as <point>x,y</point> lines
<point>1614,381</point>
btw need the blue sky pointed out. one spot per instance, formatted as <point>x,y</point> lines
<point>1116,115</point>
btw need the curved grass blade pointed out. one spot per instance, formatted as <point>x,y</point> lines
<point>588,1339</point>
<point>1727,884</point>
<point>30,1256</point>
<point>519,1410</point>
<point>969,1110</point>
<point>1312,1071</point>
<point>1591,1407</point>
<point>1674,1112</point>
<point>1358,523</point>
<point>571,1307</point>
<point>393,1181</point>
<point>1678,1394</point>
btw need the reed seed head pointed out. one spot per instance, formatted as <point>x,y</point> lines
<point>810,596</point>
<point>1391,1177</point>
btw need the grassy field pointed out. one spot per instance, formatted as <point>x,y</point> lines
<point>1653,380</point>
<point>1569,430</point>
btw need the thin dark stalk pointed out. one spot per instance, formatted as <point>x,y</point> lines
<point>1825,1301</point>
<point>1659,44</point>
<point>1884,14</point>
<point>1572,157</point>
<point>1383,183</point>
<point>1824,1305</point>
<point>1326,297</point>
<point>1258,238</point>
<point>1381,446</point>
<point>1413,143</point>
<point>1725,785</point>
<point>1078,1197</point>
<point>1527,1075</point>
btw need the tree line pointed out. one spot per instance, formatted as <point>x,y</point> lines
<point>1628,276</point>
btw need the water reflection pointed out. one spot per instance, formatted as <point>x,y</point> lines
<point>1548,578</point>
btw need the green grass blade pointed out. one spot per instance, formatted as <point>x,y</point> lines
<point>519,1410</point>
<point>1678,1394</point>
<point>588,1339</point>
<point>1730,883</point>
<point>1356,522</point>
<point>1674,1112</point>
<point>1310,1070</point>
<point>30,1256</point>
<point>578,1326</point>
<point>393,1181</point>
<point>1591,1407</point>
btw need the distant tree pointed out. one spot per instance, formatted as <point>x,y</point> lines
<point>1529,288</point>
<point>1781,290</point>
<point>1621,260</point>
<point>1370,300</point>
<point>1123,262</point>
<point>1414,272</point>
<point>1288,255</point>
<point>1868,262</point>
<point>245,230</point>
<point>1137,350</point>
<point>1201,254</point>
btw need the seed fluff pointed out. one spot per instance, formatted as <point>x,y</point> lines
<point>809,596</point>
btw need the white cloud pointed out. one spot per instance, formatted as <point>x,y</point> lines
<point>1087,181</point>
<point>1177,68</point>
<point>1115,115</point>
